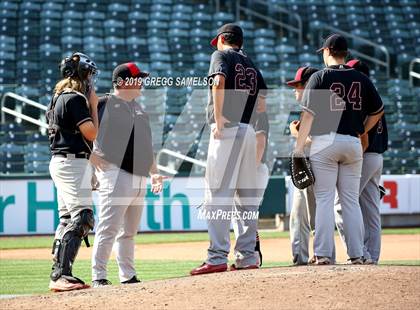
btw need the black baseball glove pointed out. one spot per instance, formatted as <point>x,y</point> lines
<point>300,171</point>
<point>382,191</point>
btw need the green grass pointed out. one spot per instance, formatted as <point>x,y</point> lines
<point>32,276</point>
<point>401,263</point>
<point>148,238</point>
<point>401,231</point>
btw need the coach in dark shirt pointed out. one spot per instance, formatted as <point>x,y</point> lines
<point>123,156</point>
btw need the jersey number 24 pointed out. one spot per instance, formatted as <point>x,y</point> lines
<point>337,102</point>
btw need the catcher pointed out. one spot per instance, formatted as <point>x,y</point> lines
<point>73,125</point>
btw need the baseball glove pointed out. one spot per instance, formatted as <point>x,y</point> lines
<point>382,191</point>
<point>300,171</point>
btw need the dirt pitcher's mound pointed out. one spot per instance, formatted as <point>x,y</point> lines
<point>328,287</point>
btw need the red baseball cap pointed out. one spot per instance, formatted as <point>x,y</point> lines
<point>127,70</point>
<point>359,66</point>
<point>302,76</point>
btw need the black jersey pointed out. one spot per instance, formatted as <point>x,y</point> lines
<point>243,84</point>
<point>340,98</point>
<point>378,137</point>
<point>262,125</point>
<point>66,112</point>
<point>125,136</point>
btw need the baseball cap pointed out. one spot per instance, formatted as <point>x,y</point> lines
<point>302,76</point>
<point>335,42</point>
<point>127,70</point>
<point>359,66</point>
<point>227,28</point>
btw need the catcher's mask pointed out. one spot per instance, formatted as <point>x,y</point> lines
<point>77,65</point>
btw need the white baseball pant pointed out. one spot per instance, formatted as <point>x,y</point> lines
<point>72,178</point>
<point>121,199</point>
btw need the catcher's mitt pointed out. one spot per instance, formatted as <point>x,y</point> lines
<point>300,171</point>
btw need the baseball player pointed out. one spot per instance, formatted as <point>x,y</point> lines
<point>262,128</point>
<point>73,124</point>
<point>375,142</point>
<point>231,162</point>
<point>340,104</point>
<point>123,157</point>
<point>302,215</point>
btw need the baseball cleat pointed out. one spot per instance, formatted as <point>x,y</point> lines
<point>131,281</point>
<point>208,268</point>
<point>233,267</point>
<point>100,283</point>
<point>298,262</point>
<point>368,261</point>
<point>356,261</point>
<point>64,285</point>
<point>322,260</point>
<point>312,260</point>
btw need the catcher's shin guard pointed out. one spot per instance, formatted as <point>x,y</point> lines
<point>66,249</point>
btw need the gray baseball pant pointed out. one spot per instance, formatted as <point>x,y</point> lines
<point>231,169</point>
<point>263,176</point>
<point>337,163</point>
<point>121,199</point>
<point>302,223</point>
<point>369,203</point>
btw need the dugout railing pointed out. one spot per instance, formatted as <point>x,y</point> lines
<point>412,74</point>
<point>18,114</point>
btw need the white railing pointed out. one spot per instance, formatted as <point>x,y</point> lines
<point>411,73</point>
<point>179,156</point>
<point>298,29</point>
<point>17,114</point>
<point>383,63</point>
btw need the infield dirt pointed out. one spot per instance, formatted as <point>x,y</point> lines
<point>316,287</point>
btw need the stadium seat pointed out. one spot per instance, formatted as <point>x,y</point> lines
<point>172,37</point>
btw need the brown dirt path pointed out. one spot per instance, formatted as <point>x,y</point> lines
<point>394,247</point>
<point>319,287</point>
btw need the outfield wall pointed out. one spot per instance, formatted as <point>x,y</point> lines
<point>29,206</point>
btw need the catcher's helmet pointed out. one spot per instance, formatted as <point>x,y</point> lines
<point>78,64</point>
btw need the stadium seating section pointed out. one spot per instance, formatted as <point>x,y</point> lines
<point>171,38</point>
